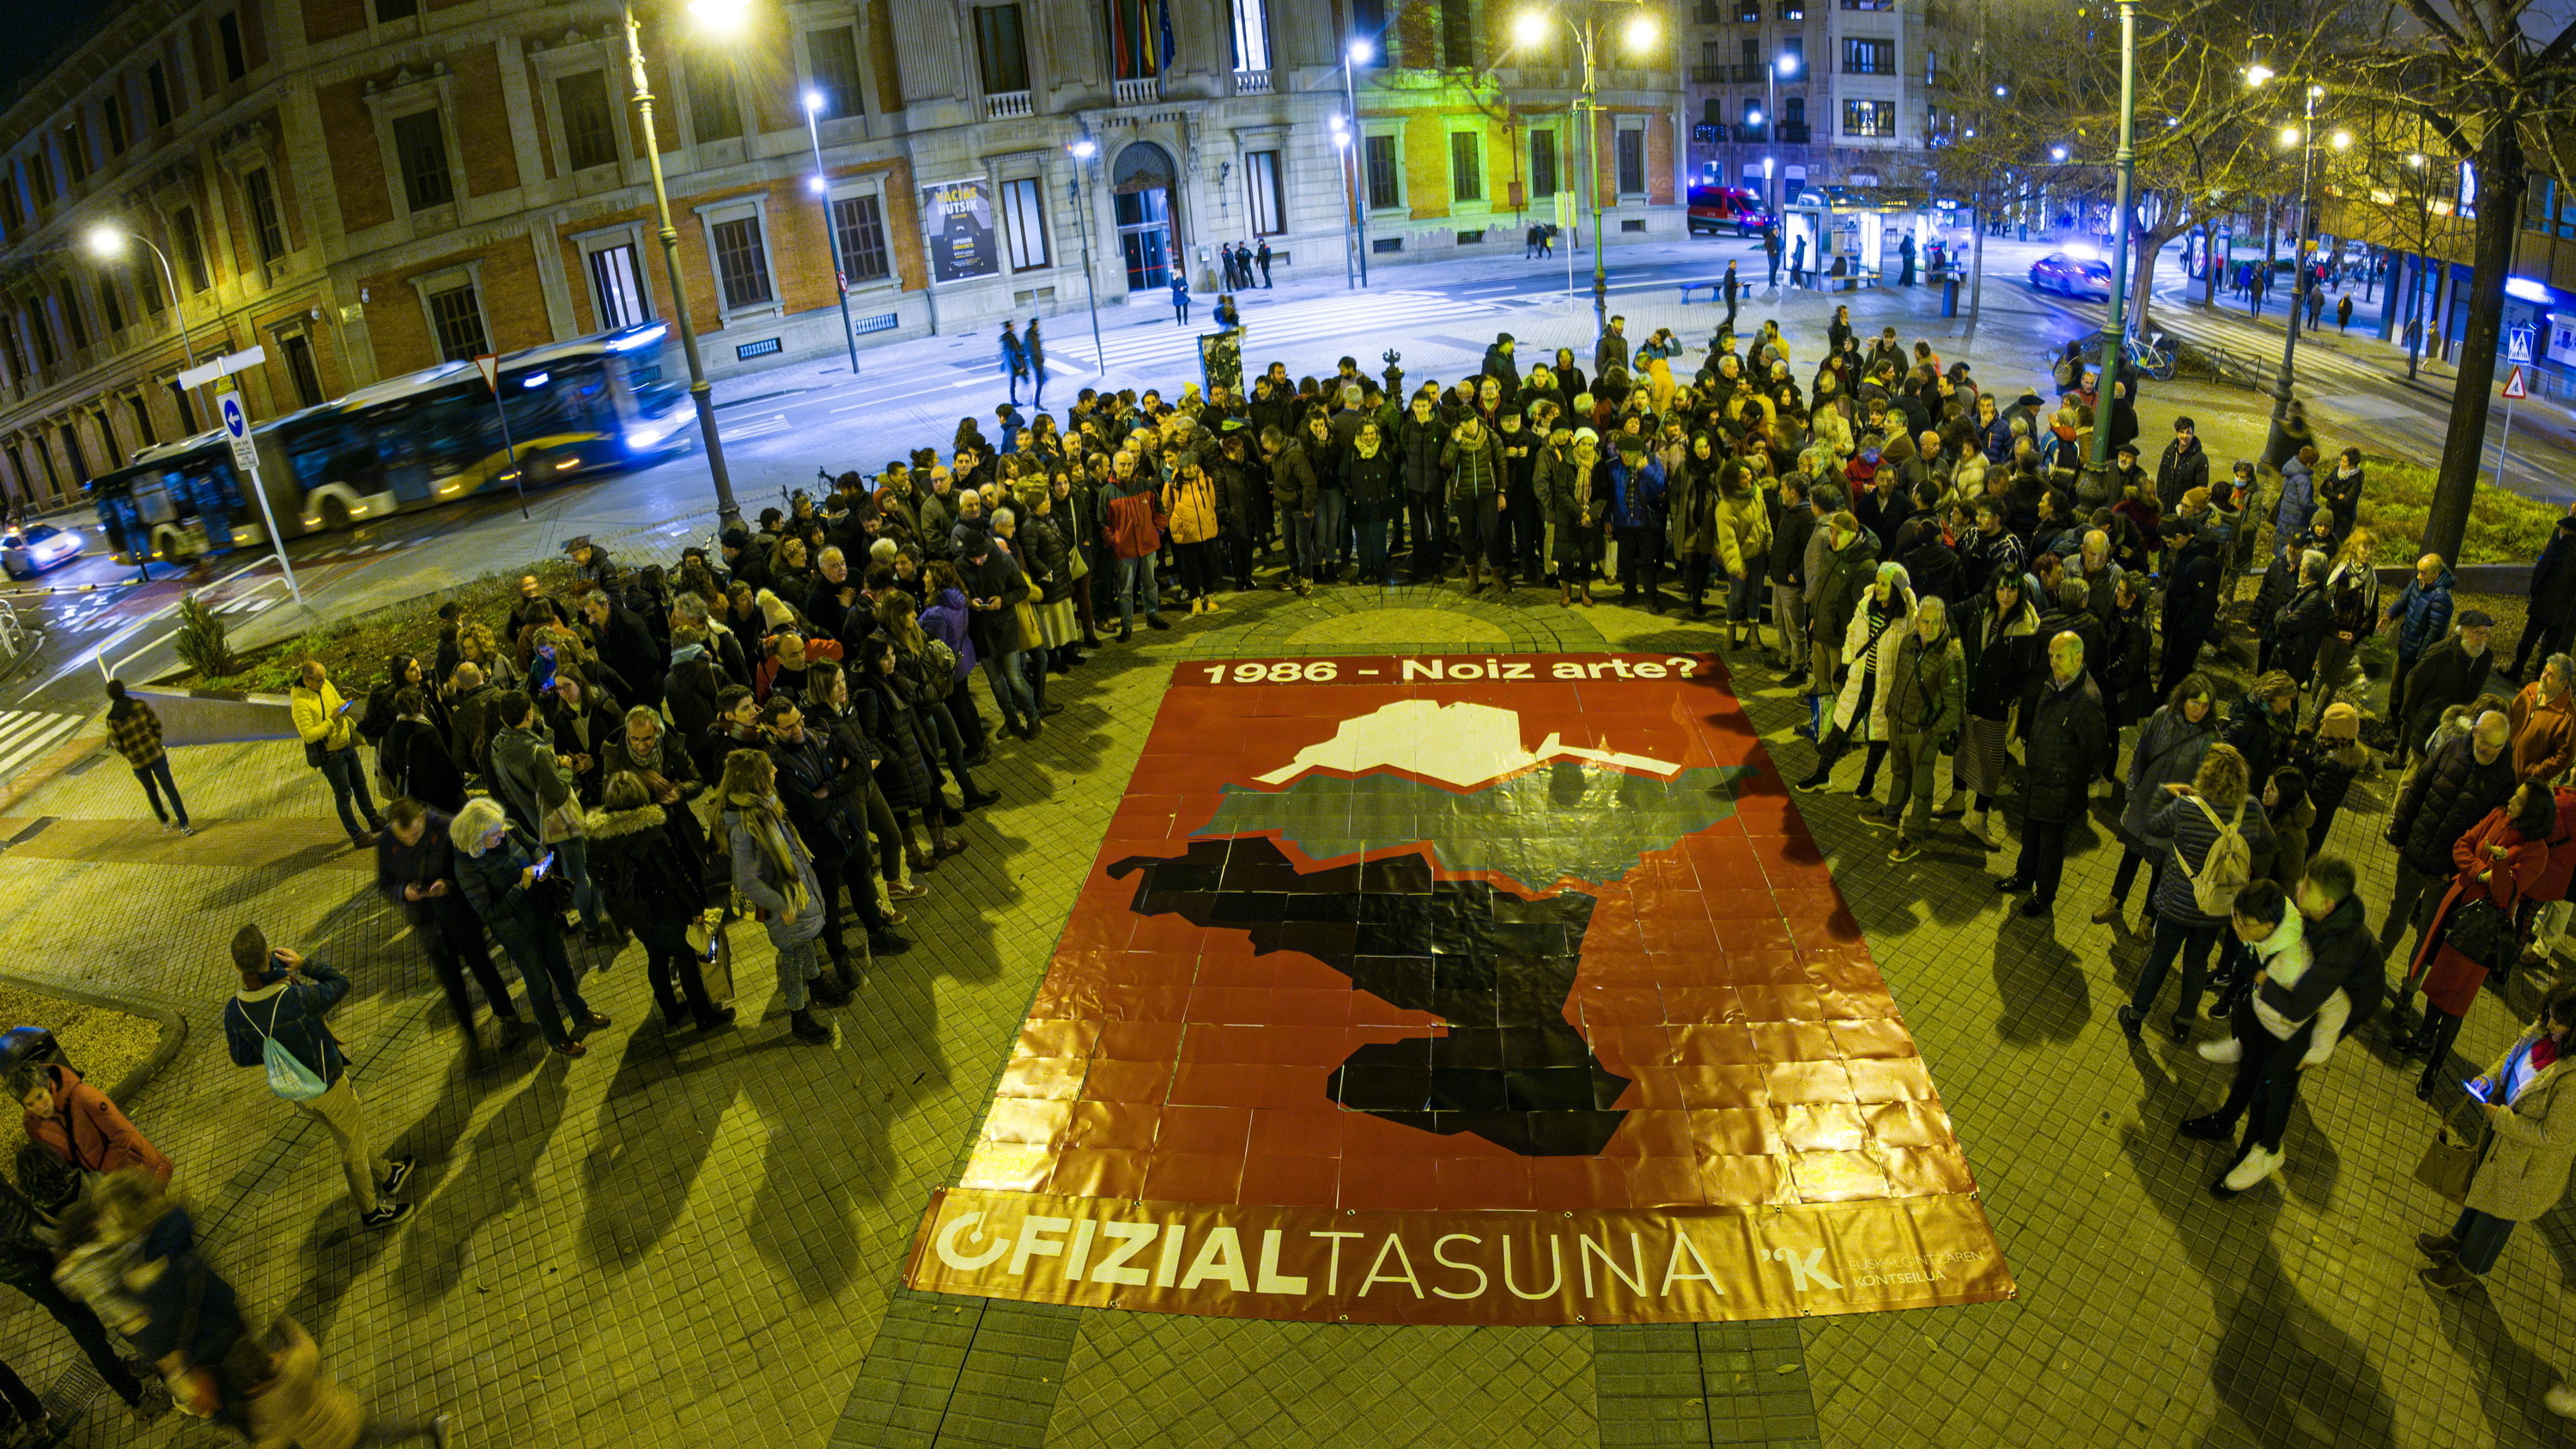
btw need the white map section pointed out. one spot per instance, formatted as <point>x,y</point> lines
<point>1456,744</point>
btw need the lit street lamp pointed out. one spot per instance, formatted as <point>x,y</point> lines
<point>107,243</point>
<point>1083,150</point>
<point>1639,33</point>
<point>1357,52</point>
<point>2305,138</point>
<point>719,16</point>
<point>823,197</point>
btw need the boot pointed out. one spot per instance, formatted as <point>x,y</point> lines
<point>803,1026</point>
<point>847,974</point>
<point>1564,596</point>
<point>829,992</point>
<point>1475,578</point>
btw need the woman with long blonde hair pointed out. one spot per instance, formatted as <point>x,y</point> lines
<point>772,870</point>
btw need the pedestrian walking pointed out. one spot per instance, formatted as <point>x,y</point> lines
<point>416,871</point>
<point>2343,314</point>
<point>275,1022</point>
<point>772,870</point>
<point>2523,1171</point>
<point>1180,298</point>
<point>1730,288</point>
<point>1263,257</point>
<point>521,894</point>
<point>279,1392</point>
<point>2316,303</point>
<point>1905,260</point>
<point>2552,607</point>
<point>2289,1021</point>
<point>1035,347</point>
<point>330,745</point>
<point>1015,358</point>
<point>128,1249</point>
<point>135,731</point>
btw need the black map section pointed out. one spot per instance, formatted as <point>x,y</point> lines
<point>1497,968</point>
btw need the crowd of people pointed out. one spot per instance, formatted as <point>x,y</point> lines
<point>782,729</point>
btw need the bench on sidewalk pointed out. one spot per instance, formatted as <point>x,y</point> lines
<point>1716,290</point>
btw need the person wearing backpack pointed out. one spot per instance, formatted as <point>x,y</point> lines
<point>275,1022</point>
<point>2216,828</point>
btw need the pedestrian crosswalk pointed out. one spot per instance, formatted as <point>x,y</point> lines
<point>27,735</point>
<point>1310,339</point>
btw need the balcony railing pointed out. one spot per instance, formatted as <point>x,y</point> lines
<point>1144,92</point>
<point>1793,133</point>
<point>1705,75</point>
<point>1746,74</point>
<point>1008,105</point>
<point>1869,67</point>
<point>1252,83</point>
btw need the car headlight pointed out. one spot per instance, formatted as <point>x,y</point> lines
<point>640,438</point>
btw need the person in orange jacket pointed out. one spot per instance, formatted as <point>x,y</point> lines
<point>77,1123</point>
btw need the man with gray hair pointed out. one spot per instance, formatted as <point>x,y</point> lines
<point>2068,748</point>
<point>688,611</point>
<point>2452,791</point>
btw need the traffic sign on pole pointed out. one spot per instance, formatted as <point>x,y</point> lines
<point>490,366</point>
<point>2514,386</point>
<point>228,406</point>
<point>2517,345</point>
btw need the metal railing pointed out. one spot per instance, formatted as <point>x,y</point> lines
<point>1144,91</point>
<point>1252,83</point>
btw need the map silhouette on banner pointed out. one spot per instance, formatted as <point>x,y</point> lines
<point>1462,991</point>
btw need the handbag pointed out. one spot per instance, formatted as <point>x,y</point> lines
<point>2449,1163</point>
<point>713,951</point>
<point>2484,932</point>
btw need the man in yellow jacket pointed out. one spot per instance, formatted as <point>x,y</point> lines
<point>330,745</point>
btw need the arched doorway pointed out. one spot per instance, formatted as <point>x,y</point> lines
<point>1148,237</point>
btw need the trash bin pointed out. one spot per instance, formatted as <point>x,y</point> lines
<point>21,1044</point>
<point>1950,295</point>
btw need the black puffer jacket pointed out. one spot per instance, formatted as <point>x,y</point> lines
<point>2449,794</point>
<point>1999,667</point>
<point>642,868</point>
<point>2069,749</point>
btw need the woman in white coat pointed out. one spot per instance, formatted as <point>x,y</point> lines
<point>1870,643</point>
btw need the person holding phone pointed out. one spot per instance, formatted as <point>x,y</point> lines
<point>498,867</point>
<point>322,720</point>
<point>283,999</point>
<point>2523,1172</point>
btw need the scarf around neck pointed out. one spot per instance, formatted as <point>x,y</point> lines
<point>766,819</point>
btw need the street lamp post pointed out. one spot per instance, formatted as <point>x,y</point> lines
<point>1351,191</point>
<point>2125,160</point>
<point>1357,51</point>
<point>1639,33</point>
<point>1780,65</point>
<point>2299,259</point>
<point>823,198</point>
<point>1083,150</point>
<point>728,512</point>
<point>107,243</point>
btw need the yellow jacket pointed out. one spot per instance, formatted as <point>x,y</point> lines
<point>318,718</point>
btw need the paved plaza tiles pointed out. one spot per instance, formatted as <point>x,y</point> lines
<point>683,1240</point>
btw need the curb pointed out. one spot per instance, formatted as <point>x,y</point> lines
<point>174,1030</point>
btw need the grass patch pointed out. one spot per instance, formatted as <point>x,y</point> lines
<point>2504,526</point>
<point>355,650</point>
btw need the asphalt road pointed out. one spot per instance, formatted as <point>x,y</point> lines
<point>779,426</point>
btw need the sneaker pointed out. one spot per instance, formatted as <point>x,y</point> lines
<point>1809,785</point>
<point>2256,1165</point>
<point>887,943</point>
<point>895,918</point>
<point>187,830</point>
<point>398,1172</point>
<point>386,1215</point>
<point>2224,1051</point>
<point>901,891</point>
<point>1877,817</point>
<point>2437,1248</point>
<point>2560,1400</point>
<point>1904,850</point>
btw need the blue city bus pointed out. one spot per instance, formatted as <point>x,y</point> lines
<point>409,442</point>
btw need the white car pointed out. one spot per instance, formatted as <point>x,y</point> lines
<point>37,549</point>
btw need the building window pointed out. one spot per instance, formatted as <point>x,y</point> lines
<point>53,481</point>
<point>1466,167</point>
<point>714,113</point>
<point>40,178</point>
<point>1269,199</point>
<point>12,211</point>
<point>396,10</point>
<point>742,263</point>
<point>1136,39</point>
<point>589,122</point>
<point>187,405</point>
<point>298,349</point>
<point>859,239</point>
<point>191,248</point>
<point>1712,112</point>
<point>157,81</point>
<point>617,286</point>
<point>1543,181</point>
<point>420,146</point>
<point>835,53</point>
<point>265,223</point>
<point>228,36</point>
<point>998,53</point>
<point>1383,190</point>
<point>1024,224</point>
<point>1869,57</point>
<point>1250,32</point>
<point>1931,67</point>
<point>1458,34</point>
<point>1795,47</point>
<point>1793,112</point>
<point>111,109</point>
<point>9,348</point>
<point>72,449</point>
<point>75,155</point>
<point>109,306</point>
<point>458,315</point>
<point>43,334</point>
<point>75,326</point>
<point>1869,118</point>
<point>142,419</point>
<point>1632,163</point>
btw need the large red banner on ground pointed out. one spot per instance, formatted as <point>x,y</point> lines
<point>1462,990</point>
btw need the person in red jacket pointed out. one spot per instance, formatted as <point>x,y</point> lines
<point>2499,861</point>
<point>2544,906</point>
<point>1131,525</point>
<point>77,1123</point>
